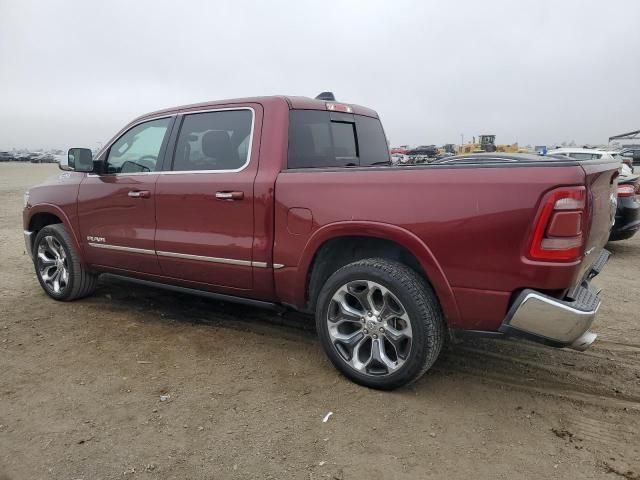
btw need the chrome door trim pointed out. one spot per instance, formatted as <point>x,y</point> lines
<point>186,256</point>
<point>121,248</point>
<point>209,110</point>
<point>185,172</point>
<point>202,258</point>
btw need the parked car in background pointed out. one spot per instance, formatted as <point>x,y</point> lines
<point>627,221</point>
<point>25,156</point>
<point>422,154</point>
<point>584,153</point>
<point>293,201</point>
<point>6,156</point>
<point>632,155</point>
<point>43,158</point>
<point>401,150</point>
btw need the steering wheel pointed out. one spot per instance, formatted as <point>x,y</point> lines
<point>148,161</point>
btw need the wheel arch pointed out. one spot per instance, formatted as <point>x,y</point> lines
<point>42,215</point>
<point>337,244</point>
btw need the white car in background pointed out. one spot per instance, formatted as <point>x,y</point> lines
<point>592,154</point>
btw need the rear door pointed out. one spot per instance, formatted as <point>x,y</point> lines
<point>205,203</point>
<point>116,207</point>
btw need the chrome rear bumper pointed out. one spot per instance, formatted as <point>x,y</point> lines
<point>558,323</point>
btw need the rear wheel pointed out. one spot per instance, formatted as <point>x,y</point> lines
<point>380,323</point>
<point>58,267</point>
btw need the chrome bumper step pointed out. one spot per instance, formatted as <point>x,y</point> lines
<point>557,323</point>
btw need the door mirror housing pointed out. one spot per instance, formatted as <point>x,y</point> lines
<point>78,160</point>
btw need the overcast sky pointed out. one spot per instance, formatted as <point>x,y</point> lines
<point>536,72</point>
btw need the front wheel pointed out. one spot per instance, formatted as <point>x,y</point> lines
<point>380,323</point>
<point>58,267</point>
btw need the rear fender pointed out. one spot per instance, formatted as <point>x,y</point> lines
<point>385,231</point>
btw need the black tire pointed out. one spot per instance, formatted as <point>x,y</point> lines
<point>418,301</point>
<point>81,282</point>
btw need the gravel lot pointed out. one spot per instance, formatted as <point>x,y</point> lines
<point>81,386</point>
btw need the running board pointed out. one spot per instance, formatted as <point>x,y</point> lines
<point>201,293</point>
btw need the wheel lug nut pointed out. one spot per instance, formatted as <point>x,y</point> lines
<point>375,336</point>
<point>382,329</point>
<point>365,331</point>
<point>369,313</point>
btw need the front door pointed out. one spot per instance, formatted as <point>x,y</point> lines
<point>116,207</point>
<point>204,205</point>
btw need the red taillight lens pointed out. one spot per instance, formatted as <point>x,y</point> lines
<point>626,190</point>
<point>558,234</point>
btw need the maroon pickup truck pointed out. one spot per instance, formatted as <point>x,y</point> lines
<point>293,202</point>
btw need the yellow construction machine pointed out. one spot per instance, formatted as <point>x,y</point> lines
<point>487,143</point>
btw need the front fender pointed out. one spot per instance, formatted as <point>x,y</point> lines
<point>33,210</point>
<point>385,231</point>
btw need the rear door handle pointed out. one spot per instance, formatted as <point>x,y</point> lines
<point>229,195</point>
<point>139,193</point>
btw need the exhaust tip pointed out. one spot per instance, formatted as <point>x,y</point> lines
<point>584,341</point>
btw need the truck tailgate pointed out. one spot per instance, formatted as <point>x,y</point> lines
<point>601,183</point>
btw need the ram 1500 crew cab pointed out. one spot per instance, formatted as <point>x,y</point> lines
<point>292,201</point>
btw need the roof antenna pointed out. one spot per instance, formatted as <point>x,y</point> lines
<point>326,96</point>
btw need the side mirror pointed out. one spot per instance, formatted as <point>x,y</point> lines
<point>78,160</point>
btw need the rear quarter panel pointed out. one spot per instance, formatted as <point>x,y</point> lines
<point>475,221</point>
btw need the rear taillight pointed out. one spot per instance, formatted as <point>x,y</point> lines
<point>626,190</point>
<point>559,231</point>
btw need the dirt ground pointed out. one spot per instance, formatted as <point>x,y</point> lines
<point>81,386</point>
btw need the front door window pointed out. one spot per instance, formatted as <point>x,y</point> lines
<point>138,149</point>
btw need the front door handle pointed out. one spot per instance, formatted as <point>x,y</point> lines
<point>139,193</point>
<point>229,195</point>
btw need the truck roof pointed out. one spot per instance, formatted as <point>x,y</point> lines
<point>293,102</point>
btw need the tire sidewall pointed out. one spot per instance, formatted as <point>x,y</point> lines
<point>421,344</point>
<point>52,231</point>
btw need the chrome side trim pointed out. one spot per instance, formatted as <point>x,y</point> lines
<point>187,256</point>
<point>28,242</point>
<point>122,249</point>
<point>276,266</point>
<point>186,172</point>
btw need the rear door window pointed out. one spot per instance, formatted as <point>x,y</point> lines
<point>321,139</point>
<point>214,141</point>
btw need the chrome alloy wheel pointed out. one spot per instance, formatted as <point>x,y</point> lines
<point>52,264</point>
<point>369,327</point>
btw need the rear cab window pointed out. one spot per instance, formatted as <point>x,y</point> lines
<point>323,139</point>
